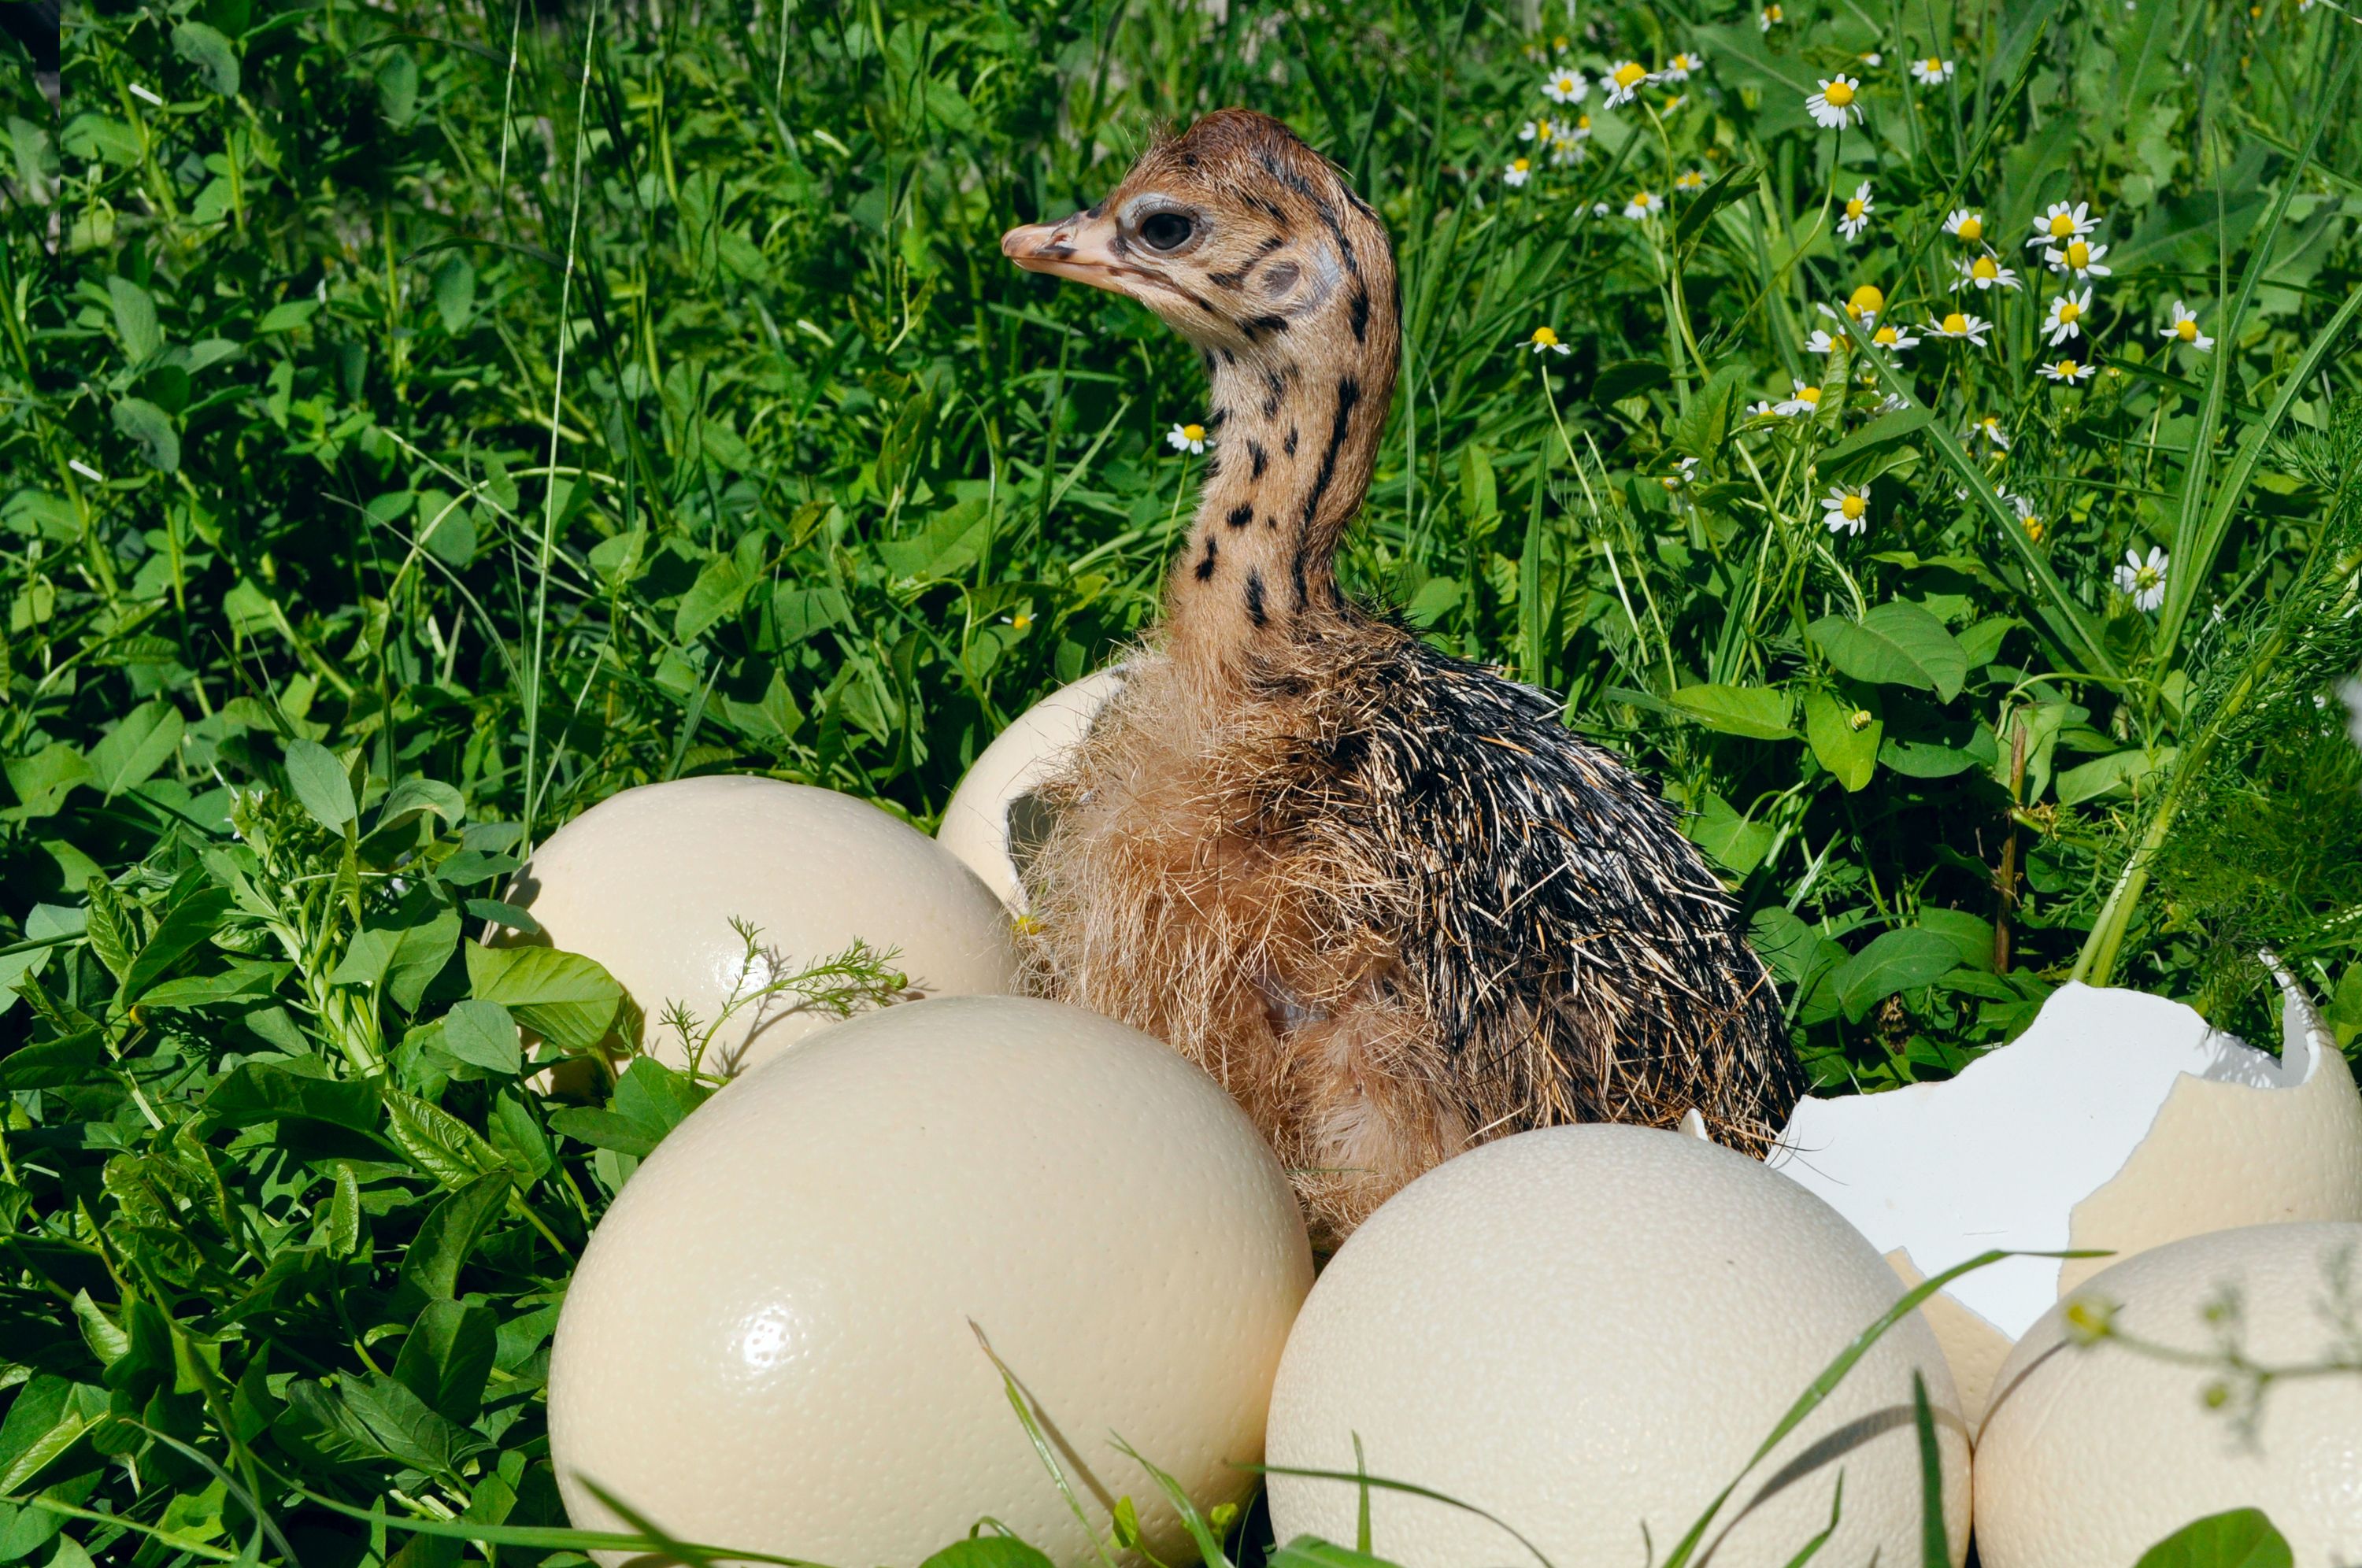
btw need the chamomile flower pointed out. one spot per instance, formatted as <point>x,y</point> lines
<point>1565,86</point>
<point>1872,59</point>
<point>1989,427</point>
<point>1519,171</point>
<point>1682,66</point>
<point>1968,226</point>
<point>1535,130</point>
<point>1857,212</point>
<point>2080,256</point>
<point>1806,400</point>
<point>2143,581</point>
<point>1820,342</point>
<point>1188,438</point>
<point>1623,80</point>
<point>2184,328</point>
<point>1760,410</point>
<point>2026,517</point>
<point>1835,101</point>
<point>1544,340</point>
<point>1566,141</point>
<point>1684,471</point>
<point>1983,273</point>
<point>1769,17</point>
<point>1689,182</point>
<point>2063,223</point>
<point>2069,369</point>
<point>1864,303</point>
<point>1845,509</point>
<point>1893,339</point>
<point>1932,71</point>
<point>2066,317</point>
<point>1643,204</point>
<point>1957,325</point>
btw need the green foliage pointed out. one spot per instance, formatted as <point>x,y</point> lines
<point>419,424</point>
<point>2243,1537</point>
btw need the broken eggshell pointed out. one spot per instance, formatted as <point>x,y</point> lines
<point>995,815</point>
<point>2117,1122</point>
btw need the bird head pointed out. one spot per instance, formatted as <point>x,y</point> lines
<point>1235,232</point>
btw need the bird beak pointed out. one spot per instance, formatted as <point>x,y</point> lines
<point>1073,248</point>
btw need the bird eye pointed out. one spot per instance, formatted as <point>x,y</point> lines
<point>1166,231</point>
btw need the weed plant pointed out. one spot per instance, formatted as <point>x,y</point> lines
<point>419,422</point>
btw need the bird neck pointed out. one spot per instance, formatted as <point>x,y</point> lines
<point>1295,435</point>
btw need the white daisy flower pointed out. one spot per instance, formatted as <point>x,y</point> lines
<point>1759,410</point>
<point>1968,226</point>
<point>1684,471</point>
<point>1893,339</point>
<point>1857,212</point>
<point>1990,428</point>
<point>1643,204</point>
<point>1623,80</point>
<point>1535,130</point>
<point>1565,86</point>
<point>1519,171</point>
<point>2026,519</point>
<point>1682,66</point>
<point>2143,581</point>
<point>1188,438</point>
<point>1566,153</point>
<point>1932,71</point>
<point>2063,223</point>
<point>1690,181</point>
<point>1872,59</point>
<point>1834,102</point>
<point>1845,509</point>
<point>2066,317</point>
<point>1956,325</point>
<point>1983,273</point>
<point>2185,328</point>
<point>1544,340</point>
<point>2069,369</point>
<point>1805,400</point>
<point>1820,342</point>
<point>1769,17</point>
<point>2080,258</point>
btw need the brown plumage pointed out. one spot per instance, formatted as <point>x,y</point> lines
<point>1385,897</point>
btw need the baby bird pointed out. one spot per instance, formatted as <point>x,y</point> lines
<point>1385,897</point>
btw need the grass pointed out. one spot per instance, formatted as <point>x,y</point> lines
<point>421,422</point>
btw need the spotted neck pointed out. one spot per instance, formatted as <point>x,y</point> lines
<point>1295,433</point>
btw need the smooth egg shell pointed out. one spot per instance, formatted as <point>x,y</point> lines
<point>771,1341</point>
<point>1585,1331</point>
<point>2093,1454</point>
<point>647,881</point>
<point>991,808</point>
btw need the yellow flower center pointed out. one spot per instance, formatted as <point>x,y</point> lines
<point>1643,200</point>
<point>1971,228</point>
<point>1838,94</point>
<point>1983,266</point>
<point>2070,311</point>
<point>1853,206</point>
<point>1809,394</point>
<point>1775,13</point>
<point>2069,369</point>
<point>1583,122</point>
<point>2061,226</point>
<point>1955,324</point>
<point>1933,64</point>
<point>1885,337</point>
<point>2187,329</point>
<point>2034,529</point>
<point>1629,72</point>
<point>1868,297</point>
<point>1519,164</point>
<point>1851,507</point>
<point>1193,433</point>
<point>1020,620</point>
<point>1542,335</point>
<point>1560,41</point>
<point>2079,255</point>
<point>1681,62</point>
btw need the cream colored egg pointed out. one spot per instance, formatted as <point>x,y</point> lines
<point>771,1341</point>
<point>2092,1453</point>
<point>1586,1331</point>
<point>996,805</point>
<point>649,880</point>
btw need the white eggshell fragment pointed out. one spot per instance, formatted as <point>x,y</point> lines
<point>771,1343</point>
<point>1586,1331</point>
<point>2118,1122</point>
<point>996,802</point>
<point>649,880</point>
<point>2093,1452</point>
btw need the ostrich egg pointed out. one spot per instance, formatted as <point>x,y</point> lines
<point>2093,1452</point>
<point>775,1340</point>
<point>648,881</point>
<point>1586,1331</point>
<point>994,815</point>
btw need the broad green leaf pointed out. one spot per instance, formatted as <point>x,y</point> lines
<point>150,429</point>
<point>1886,430</point>
<point>1897,643</point>
<point>366,1420</point>
<point>1971,936</point>
<point>2106,775</point>
<point>189,922</point>
<point>135,320</point>
<point>321,784</point>
<point>397,87</point>
<point>2243,1537</point>
<point>211,53</point>
<point>268,1091</point>
<point>650,1100</point>
<point>345,1221</point>
<point>1737,842</point>
<point>565,997</point>
<point>455,290</point>
<point>43,780</point>
<point>437,1142</point>
<point>448,1237</point>
<point>285,317</point>
<point>447,1356</point>
<point>53,1064</point>
<point>720,587</point>
<point>1846,745</point>
<point>1760,713</point>
<point>483,1034</point>
<point>1899,960</point>
<point>141,742</point>
<point>987,1552</point>
<point>1311,1551</point>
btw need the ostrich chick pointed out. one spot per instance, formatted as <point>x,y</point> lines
<point>1385,897</point>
